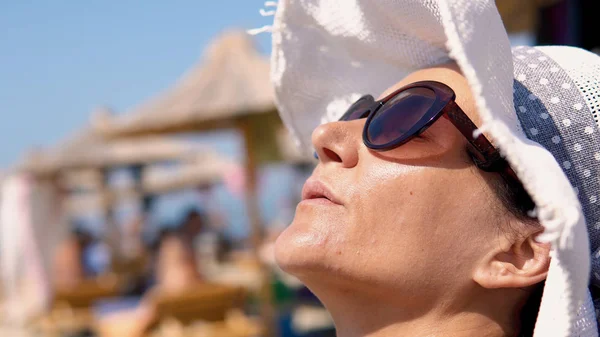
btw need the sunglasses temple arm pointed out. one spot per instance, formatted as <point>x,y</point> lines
<point>485,155</point>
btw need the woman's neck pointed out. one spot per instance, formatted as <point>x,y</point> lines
<point>392,316</point>
<point>381,324</point>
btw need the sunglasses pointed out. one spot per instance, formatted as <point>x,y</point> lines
<point>409,111</point>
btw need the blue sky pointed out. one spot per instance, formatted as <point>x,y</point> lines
<point>60,60</point>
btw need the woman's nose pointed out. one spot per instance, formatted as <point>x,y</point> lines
<point>338,142</point>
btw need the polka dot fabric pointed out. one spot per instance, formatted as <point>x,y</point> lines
<point>554,112</point>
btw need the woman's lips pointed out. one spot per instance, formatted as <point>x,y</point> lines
<point>315,191</point>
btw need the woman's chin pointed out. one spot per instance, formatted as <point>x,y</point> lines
<point>299,251</point>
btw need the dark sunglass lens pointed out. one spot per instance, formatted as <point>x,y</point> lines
<point>359,109</point>
<point>398,117</point>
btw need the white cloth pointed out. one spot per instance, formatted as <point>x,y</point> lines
<point>22,270</point>
<point>29,234</point>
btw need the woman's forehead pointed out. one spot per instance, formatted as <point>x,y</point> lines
<point>448,74</point>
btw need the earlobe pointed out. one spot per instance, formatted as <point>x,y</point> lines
<point>518,264</point>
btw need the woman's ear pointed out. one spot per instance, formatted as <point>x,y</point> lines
<point>517,262</point>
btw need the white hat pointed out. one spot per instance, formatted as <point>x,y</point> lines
<point>537,105</point>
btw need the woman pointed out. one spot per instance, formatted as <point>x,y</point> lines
<point>176,263</point>
<point>413,224</point>
<point>69,268</point>
<point>358,205</point>
<point>362,210</point>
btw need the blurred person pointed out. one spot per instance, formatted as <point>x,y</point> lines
<point>173,270</point>
<point>70,267</point>
<point>176,265</point>
<point>416,222</point>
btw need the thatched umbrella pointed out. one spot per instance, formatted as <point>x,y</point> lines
<point>88,149</point>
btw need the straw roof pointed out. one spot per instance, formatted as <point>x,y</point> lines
<point>231,81</point>
<point>87,149</point>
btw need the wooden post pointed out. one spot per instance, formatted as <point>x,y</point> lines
<point>256,229</point>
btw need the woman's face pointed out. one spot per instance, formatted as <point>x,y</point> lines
<point>413,221</point>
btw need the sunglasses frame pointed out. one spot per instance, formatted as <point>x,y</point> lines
<point>481,150</point>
